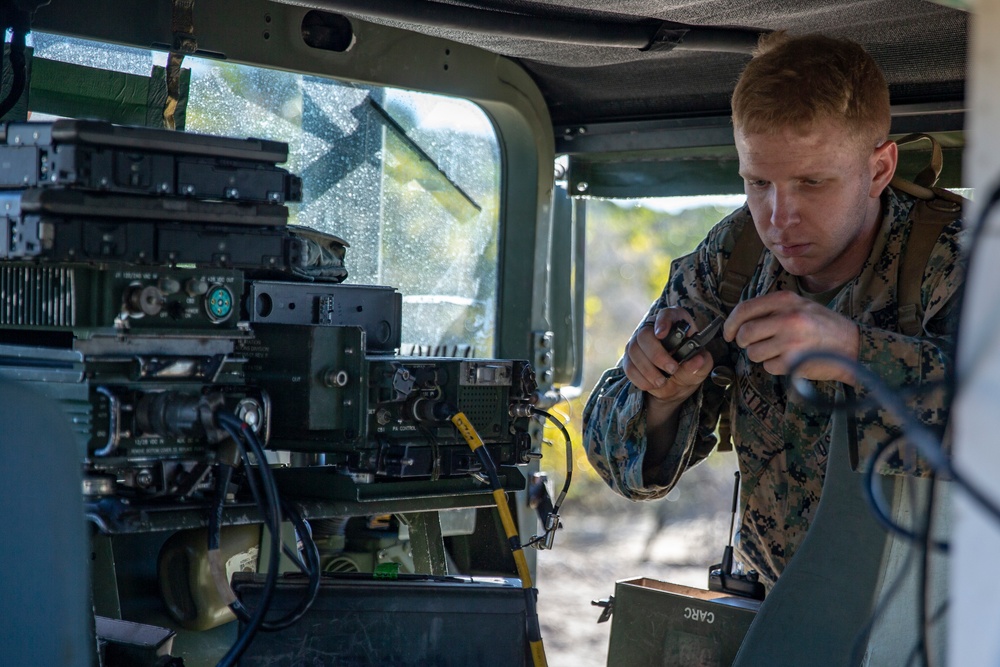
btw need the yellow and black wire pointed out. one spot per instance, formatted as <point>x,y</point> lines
<point>471,436</point>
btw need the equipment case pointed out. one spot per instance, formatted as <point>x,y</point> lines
<point>414,621</point>
<point>658,623</point>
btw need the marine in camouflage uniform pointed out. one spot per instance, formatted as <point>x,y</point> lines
<point>782,439</point>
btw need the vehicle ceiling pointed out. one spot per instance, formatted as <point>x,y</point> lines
<point>921,47</point>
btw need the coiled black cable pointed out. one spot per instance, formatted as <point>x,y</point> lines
<point>878,504</point>
<point>311,566</point>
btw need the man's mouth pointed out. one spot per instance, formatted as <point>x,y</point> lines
<point>791,249</point>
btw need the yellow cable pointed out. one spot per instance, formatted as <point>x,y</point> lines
<point>468,432</point>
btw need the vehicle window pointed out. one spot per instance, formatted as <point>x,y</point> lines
<point>410,180</point>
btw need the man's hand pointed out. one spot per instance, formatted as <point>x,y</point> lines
<point>646,360</point>
<point>777,328</point>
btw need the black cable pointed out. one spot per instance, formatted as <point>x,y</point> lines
<point>569,456</point>
<point>223,475</point>
<point>435,451</point>
<point>920,436</point>
<point>886,599</point>
<point>978,229</point>
<point>915,652</point>
<point>566,483</point>
<point>313,571</point>
<point>311,567</point>
<point>229,421</point>
<point>851,402</point>
<point>259,500</point>
<point>925,590</point>
<point>877,502</point>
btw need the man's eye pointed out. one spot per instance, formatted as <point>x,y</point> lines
<point>757,183</point>
<point>812,182</point>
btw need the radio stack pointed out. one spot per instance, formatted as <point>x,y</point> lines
<point>149,279</point>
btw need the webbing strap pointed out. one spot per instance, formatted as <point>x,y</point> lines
<point>739,270</point>
<point>741,265</point>
<point>182,23</point>
<point>929,175</point>
<point>929,218</point>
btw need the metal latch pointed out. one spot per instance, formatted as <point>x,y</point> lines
<point>609,608</point>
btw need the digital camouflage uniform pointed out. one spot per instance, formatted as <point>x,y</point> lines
<point>781,439</point>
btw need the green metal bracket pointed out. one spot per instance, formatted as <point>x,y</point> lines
<point>427,542</point>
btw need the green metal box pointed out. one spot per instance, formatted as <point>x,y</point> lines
<point>658,623</point>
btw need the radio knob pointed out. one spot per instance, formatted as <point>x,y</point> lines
<point>145,301</point>
<point>170,285</point>
<point>196,287</point>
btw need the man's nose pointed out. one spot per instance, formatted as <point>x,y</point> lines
<point>784,207</point>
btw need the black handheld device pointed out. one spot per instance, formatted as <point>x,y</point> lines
<point>681,346</point>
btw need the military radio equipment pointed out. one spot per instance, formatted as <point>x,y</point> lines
<point>142,409</point>
<point>150,284</point>
<point>68,226</point>
<point>383,415</point>
<point>89,300</point>
<point>95,155</point>
<point>374,308</point>
<point>681,346</point>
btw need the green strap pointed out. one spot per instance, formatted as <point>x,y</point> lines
<point>741,265</point>
<point>182,23</point>
<point>929,218</point>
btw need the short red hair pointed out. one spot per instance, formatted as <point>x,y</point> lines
<point>795,81</point>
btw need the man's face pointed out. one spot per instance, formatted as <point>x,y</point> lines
<point>814,196</point>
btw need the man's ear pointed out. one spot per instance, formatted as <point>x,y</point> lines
<point>883,166</point>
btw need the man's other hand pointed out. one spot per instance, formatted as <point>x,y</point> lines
<point>777,328</point>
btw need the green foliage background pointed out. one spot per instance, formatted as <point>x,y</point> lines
<point>630,246</point>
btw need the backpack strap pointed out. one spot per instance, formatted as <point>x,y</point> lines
<point>741,266</point>
<point>929,216</point>
<point>929,175</point>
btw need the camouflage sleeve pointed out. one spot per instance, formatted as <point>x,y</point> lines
<point>614,424</point>
<point>921,362</point>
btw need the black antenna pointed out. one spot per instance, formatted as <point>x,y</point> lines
<point>720,576</point>
<point>727,554</point>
